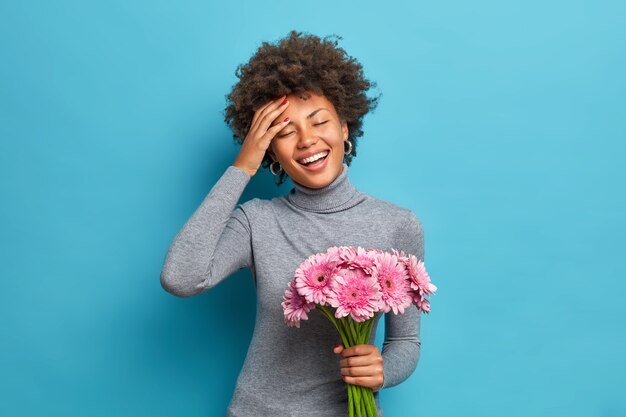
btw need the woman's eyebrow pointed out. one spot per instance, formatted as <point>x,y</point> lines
<point>313,113</point>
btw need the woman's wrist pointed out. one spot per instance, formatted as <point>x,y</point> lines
<point>236,165</point>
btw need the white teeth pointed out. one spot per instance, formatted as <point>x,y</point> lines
<point>314,157</point>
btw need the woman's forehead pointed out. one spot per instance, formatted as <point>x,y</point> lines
<point>309,100</point>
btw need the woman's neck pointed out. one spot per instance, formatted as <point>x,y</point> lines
<point>337,195</point>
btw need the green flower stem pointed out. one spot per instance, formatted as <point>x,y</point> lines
<point>343,327</point>
<point>363,331</point>
<point>367,393</point>
<point>353,330</point>
<point>360,328</point>
<point>364,403</point>
<point>347,330</point>
<point>355,400</point>
<point>364,406</point>
<point>361,401</point>
<point>358,401</point>
<point>372,404</point>
<point>350,403</point>
<point>368,331</point>
<point>369,401</point>
<point>351,335</point>
<point>347,335</point>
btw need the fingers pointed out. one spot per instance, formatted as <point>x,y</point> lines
<point>277,128</point>
<point>360,350</point>
<point>263,107</point>
<point>362,371</point>
<point>270,115</point>
<point>373,382</point>
<point>273,108</point>
<point>368,376</point>
<point>358,355</point>
<point>366,360</point>
<point>361,365</point>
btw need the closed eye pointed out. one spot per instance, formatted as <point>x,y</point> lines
<point>287,134</point>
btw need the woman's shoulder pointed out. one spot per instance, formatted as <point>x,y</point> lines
<point>256,206</point>
<point>404,215</point>
<point>252,204</point>
<point>406,226</point>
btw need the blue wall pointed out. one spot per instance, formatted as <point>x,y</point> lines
<point>502,126</point>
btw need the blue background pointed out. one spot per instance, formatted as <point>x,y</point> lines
<point>501,125</point>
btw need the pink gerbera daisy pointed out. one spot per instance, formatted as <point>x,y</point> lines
<point>295,306</point>
<point>393,281</point>
<point>356,294</point>
<point>421,303</point>
<point>359,258</point>
<point>313,276</point>
<point>401,255</point>
<point>420,281</point>
<point>336,253</point>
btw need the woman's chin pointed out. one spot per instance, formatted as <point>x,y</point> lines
<point>317,179</point>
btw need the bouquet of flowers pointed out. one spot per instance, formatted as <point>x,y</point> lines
<point>350,286</point>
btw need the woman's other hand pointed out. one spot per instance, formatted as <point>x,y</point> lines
<point>361,365</point>
<point>261,134</point>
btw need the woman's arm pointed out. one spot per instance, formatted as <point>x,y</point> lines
<point>214,243</point>
<point>401,347</point>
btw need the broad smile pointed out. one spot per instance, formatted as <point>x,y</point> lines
<point>315,162</point>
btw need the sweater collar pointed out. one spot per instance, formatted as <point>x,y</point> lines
<point>339,195</point>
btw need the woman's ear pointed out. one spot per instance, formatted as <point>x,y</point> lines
<point>344,128</point>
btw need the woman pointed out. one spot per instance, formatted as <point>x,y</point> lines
<point>307,132</point>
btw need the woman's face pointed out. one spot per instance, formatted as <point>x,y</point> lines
<point>313,127</point>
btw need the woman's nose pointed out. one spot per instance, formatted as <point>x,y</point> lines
<point>307,139</point>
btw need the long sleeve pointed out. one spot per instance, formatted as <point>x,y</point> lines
<point>214,243</point>
<point>401,347</point>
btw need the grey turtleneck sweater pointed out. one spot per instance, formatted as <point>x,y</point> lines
<point>292,371</point>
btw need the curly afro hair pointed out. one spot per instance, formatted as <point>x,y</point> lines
<point>300,63</point>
